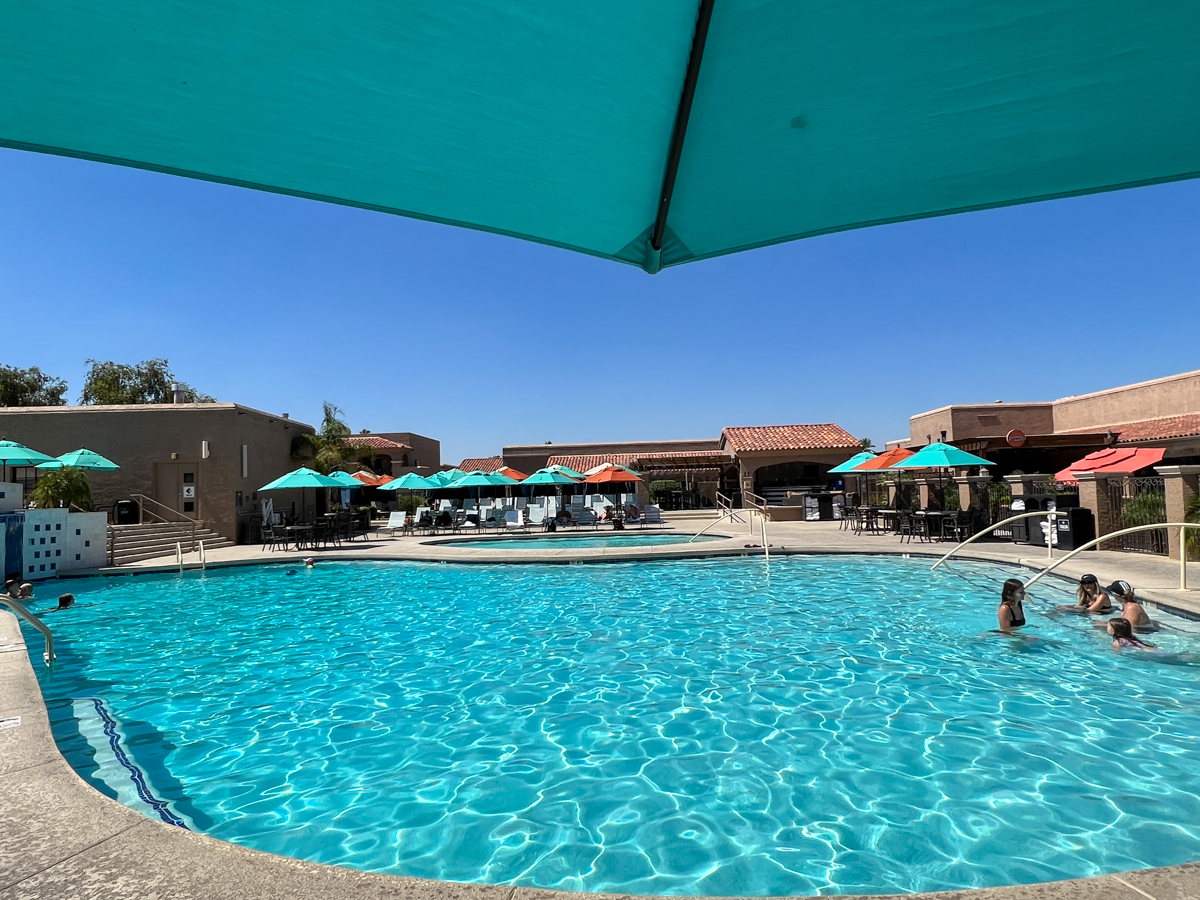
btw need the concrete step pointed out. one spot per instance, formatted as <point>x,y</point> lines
<point>134,543</point>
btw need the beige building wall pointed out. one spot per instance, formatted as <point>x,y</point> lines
<point>980,420</point>
<point>148,440</point>
<point>1175,395</point>
<point>426,452</point>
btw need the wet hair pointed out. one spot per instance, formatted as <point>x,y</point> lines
<point>1084,583</point>
<point>1009,591</point>
<point>1123,630</point>
<point>66,601</point>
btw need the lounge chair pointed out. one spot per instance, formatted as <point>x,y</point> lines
<point>633,516</point>
<point>397,521</point>
<point>537,515</point>
<point>652,515</point>
<point>513,520</point>
<point>587,516</point>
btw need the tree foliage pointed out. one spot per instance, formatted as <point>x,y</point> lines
<point>1192,514</point>
<point>866,443</point>
<point>62,487</point>
<point>30,387</point>
<point>333,447</point>
<point>150,381</point>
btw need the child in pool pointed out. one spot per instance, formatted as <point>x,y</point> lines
<point>1123,636</point>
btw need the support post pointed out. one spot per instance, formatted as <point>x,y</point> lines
<point>1180,485</point>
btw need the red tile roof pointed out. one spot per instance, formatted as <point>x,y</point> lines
<point>375,442</point>
<point>1159,429</point>
<point>481,463</point>
<point>788,437</point>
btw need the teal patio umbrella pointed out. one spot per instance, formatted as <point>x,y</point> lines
<point>652,134</point>
<point>567,470</point>
<point>444,478</point>
<point>301,479</point>
<point>81,459</point>
<point>18,455</point>
<point>941,456</point>
<point>856,460</point>
<point>480,484</point>
<point>410,481</point>
<point>550,478</point>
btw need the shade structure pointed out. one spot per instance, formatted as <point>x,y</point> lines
<point>14,454</point>
<point>480,479</point>
<point>82,459</point>
<point>549,477</point>
<point>514,474</point>
<point>941,456</point>
<point>410,481</point>
<point>567,470</point>
<point>301,478</point>
<point>884,461</point>
<point>611,473</point>
<point>444,478</point>
<point>371,480</point>
<point>856,460</point>
<point>648,133</point>
<point>1112,461</point>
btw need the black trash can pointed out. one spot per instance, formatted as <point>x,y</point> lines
<point>126,512</point>
<point>1076,528</point>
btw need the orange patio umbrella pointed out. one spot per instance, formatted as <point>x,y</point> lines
<point>372,480</point>
<point>515,474</point>
<point>884,460</point>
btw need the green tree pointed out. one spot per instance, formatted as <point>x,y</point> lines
<point>866,443</point>
<point>333,447</point>
<point>150,381</point>
<point>62,487</point>
<point>30,387</point>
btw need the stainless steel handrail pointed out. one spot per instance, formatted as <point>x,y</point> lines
<point>33,620</point>
<point>1182,526</point>
<point>1045,513</point>
<point>734,515</point>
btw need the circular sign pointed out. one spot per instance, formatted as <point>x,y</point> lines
<point>1015,438</point>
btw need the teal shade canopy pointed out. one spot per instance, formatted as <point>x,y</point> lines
<point>14,454</point>
<point>482,479</point>
<point>856,460</point>
<point>409,481</point>
<point>554,122</point>
<point>441,479</point>
<point>567,470</point>
<point>549,476</point>
<point>941,456</point>
<point>82,459</point>
<point>345,480</point>
<point>302,478</point>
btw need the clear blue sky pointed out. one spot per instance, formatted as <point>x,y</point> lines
<point>280,303</point>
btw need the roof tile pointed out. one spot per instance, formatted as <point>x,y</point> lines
<point>826,436</point>
<point>481,463</point>
<point>1152,429</point>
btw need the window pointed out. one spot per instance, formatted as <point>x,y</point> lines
<point>76,557</point>
<point>53,566</point>
<point>87,543</point>
<point>189,477</point>
<point>78,532</point>
<point>37,527</point>
<point>54,540</point>
<point>37,554</point>
<point>58,553</point>
<point>41,540</point>
<point>58,527</point>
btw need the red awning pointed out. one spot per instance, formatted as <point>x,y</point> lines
<point>1112,461</point>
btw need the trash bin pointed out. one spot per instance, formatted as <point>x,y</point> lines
<point>1076,528</point>
<point>126,512</point>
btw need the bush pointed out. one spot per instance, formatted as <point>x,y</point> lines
<point>665,486</point>
<point>62,487</point>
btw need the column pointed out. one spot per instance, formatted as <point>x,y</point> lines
<point>972,491</point>
<point>1093,495</point>
<point>1181,485</point>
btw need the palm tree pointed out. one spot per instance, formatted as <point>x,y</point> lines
<point>330,448</point>
<point>62,487</point>
<point>866,443</point>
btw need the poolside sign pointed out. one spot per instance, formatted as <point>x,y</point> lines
<point>1015,438</point>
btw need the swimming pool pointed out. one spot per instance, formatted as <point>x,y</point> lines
<point>841,724</point>
<point>576,542</point>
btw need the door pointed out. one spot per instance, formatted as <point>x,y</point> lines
<point>177,486</point>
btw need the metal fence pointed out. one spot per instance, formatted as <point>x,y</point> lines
<point>999,506</point>
<point>1139,501</point>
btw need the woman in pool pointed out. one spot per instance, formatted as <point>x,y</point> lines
<point>1123,636</point>
<point>1091,598</point>
<point>1011,613</point>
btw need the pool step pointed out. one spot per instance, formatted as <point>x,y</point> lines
<point>134,543</point>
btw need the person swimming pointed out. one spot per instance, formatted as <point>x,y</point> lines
<point>1091,599</point>
<point>309,562</point>
<point>1011,613</point>
<point>65,601</point>
<point>1123,636</point>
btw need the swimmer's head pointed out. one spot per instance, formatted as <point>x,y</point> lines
<point>1011,589</point>
<point>66,601</point>
<point>1120,589</point>
<point>309,562</point>
<point>26,591</point>
<point>1120,628</point>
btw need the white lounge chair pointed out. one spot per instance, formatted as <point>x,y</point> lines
<point>537,515</point>
<point>587,516</point>
<point>397,521</point>
<point>652,515</point>
<point>514,521</point>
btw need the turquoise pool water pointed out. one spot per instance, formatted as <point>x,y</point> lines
<point>570,542</point>
<point>840,725</point>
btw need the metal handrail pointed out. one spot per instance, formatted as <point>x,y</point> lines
<point>756,502</point>
<point>1113,534</point>
<point>33,620</point>
<point>143,500</point>
<point>725,504</point>
<point>734,515</point>
<point>1029,515</point>
<point>203,560</point>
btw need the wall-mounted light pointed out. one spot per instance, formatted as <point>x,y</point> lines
<point>204,449</point>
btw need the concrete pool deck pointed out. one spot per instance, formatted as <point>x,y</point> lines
<point>61,838</point>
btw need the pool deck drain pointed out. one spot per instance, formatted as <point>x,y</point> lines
<point>60,838</point>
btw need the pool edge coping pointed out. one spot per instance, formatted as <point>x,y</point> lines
<point>219,866</point>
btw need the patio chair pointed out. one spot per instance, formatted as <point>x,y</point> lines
<point>397,521</point>
<point>957,527</point>
<point>423,519</point>
<point>652,515</point>
<point>587,516</point>
<point>514,520</point>
<point>633,516</point>
<point>537,515</point>
<point>274,536</point>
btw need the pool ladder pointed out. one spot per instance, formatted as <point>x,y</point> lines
<point>736,516</point>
